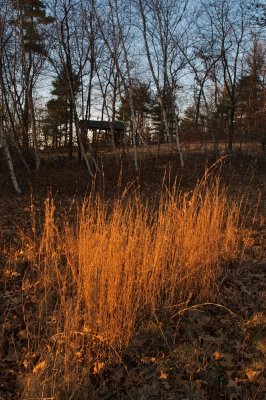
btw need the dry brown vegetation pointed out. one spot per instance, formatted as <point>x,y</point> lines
<point>138,298</point>
<point>97,279</point>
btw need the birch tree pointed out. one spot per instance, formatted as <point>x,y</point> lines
<point>71,55</point>
<point>4,142</point>
<point>110,89</point>
<point>160,21</point>
<point>202,56</point>
<point>230,23</point>
<point>115,25</point>
<point>29,20</point>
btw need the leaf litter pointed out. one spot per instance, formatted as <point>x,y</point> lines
<point>203,353</point>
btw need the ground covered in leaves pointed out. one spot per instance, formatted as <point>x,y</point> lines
<point>214,350</point>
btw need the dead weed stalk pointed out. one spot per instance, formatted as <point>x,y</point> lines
<point>95,279</point>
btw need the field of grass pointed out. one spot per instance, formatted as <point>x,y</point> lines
<point>137,297</point>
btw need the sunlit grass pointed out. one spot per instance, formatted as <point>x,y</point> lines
<point>118,264</point>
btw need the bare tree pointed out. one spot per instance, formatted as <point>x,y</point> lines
<point>118,43</point>
<point>71,54</point>
<point>30,22</point>
<point>230,24</point>
<point>159,24</point>
<point>110,88</point>
<point>202,56</point>
<point>5,36</point>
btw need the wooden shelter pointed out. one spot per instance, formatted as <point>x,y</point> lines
<point>106,127</point>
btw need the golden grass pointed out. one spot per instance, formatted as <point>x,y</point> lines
<point>117,265</point>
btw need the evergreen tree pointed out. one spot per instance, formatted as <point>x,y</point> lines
<point>56,122</point>
<point>60,109</point>
<point>29,21</point>
<point>251,99</point>
<point>31,16</point>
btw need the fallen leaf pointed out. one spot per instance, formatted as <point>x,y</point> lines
<point>39,367</point>
<point>218,355</point>
<point>252,375</point>
<point>148,360</point>
<point>163,376</point>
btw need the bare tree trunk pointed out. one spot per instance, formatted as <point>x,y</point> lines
<point>34,132</point>
<point>127,84</point>
<point>178,143</point>
<point>65,56</point>
<point>111,118</point>
<point>70,139</point>
<point>156,80</point>
<point>231,129</point>
<point>128,90</point>
<point>10,116</point>
<point>82,148</point>
<point>214,139</point>
<point>84,155</point>
<point>9,159</point>
<point>29,105</point>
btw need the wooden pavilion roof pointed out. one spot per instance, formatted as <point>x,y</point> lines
<point>102,125</point>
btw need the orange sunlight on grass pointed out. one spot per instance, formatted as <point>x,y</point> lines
<point>117,266</point>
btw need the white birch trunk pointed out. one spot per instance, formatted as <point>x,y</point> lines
<point>127,89</point>
<point>156,82</point>
<point>134,141</point>
<point>11,169</point>
<point>34,132</point>
<point>9,160</point>
<point>178,144</point>
<point>83,153</point>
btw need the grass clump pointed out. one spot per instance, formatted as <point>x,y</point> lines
<point>115,266</point>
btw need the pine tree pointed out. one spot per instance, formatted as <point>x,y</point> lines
<point>31,16</point>
<point>61,107</point>
<point>251,99</point>
<point>29,20</point>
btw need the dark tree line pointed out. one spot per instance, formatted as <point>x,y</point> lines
<point>171,70</point>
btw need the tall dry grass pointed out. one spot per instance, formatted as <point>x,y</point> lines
<point>117,265</point>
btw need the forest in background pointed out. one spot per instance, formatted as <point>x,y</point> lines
<point>172,71</point>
